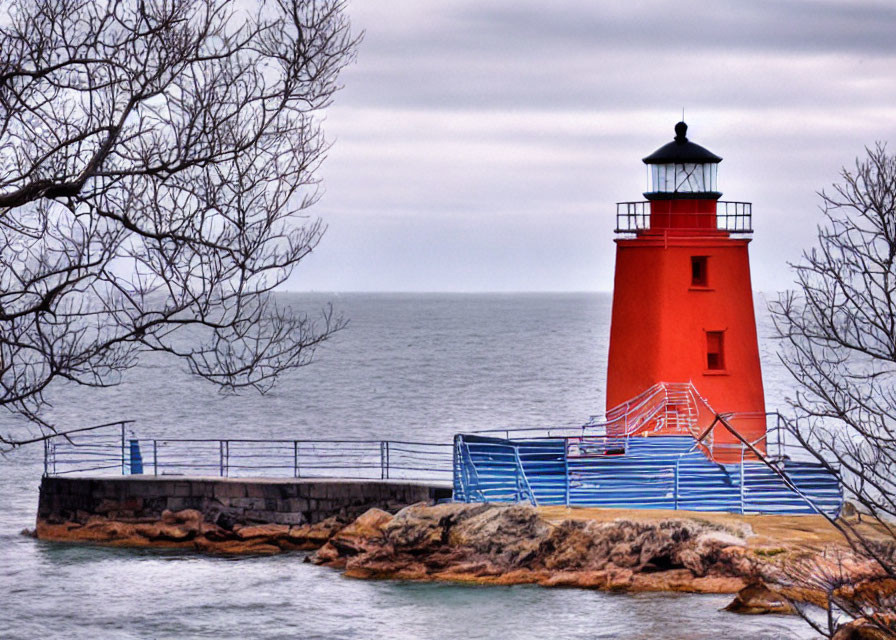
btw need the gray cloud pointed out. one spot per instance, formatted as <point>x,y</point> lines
<point>482,146</point>
<point>467,55</point>
<point>767,25</point>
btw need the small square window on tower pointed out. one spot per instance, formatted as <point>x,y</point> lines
<point>715,353</point>
<point>698,271</point>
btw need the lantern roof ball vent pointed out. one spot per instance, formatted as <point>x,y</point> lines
<point>682,151</point>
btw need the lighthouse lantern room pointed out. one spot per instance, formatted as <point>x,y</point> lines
<point>682,298</point>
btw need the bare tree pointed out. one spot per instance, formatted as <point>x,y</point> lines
<point>839,342</point>
<point>846,585</point>
<point>155,160</point>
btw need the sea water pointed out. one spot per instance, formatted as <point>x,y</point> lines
<point>408,366</point>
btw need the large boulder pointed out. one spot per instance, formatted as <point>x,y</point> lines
<point>510,536</point>
<point>865,629</point>
<point>266,531</point>
<point>712,550</point>
<point>421,526</point>
<point>313,536</point>
<point>363,535</point>
<point>757,598</point>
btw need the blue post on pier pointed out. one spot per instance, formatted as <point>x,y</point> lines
<point>136,458</point>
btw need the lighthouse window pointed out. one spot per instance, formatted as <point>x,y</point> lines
<point>698,271</point>
<point>715,357</point>
<point>688,177</point>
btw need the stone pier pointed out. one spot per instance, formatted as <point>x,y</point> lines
<point>226,501</point>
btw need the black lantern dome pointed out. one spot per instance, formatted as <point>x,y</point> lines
<point>682,169</point>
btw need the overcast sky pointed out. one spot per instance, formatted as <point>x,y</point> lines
<point>482,145</point>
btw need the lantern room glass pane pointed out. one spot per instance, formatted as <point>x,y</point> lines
<point>689,177</point>
<point>683,178</point>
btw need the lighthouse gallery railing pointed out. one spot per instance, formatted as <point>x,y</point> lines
<point>733,217</point>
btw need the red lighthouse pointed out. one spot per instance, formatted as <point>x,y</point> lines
<point>682,298</point>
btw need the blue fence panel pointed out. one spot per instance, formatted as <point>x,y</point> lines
<point>660,472</point>
<point>490,470</point>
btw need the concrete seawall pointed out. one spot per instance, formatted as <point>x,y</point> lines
<point>225,501</point>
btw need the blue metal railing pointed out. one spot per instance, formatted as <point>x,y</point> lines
<point>588,468</point>
<point>110,447</point>
<point>100,448</point>
<point>662,472</point>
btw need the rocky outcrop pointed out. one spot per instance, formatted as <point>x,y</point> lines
<point>489,543</point>
<point>188,529</point>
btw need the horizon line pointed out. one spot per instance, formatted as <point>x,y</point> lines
<point>469,292</point>
<point>445,291</point>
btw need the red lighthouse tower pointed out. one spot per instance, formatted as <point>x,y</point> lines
<point>682,298</point>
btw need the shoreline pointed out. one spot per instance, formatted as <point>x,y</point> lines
<point>499,544</point>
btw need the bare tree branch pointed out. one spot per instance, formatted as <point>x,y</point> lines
<point>156,158</point>
<point>838,334</point>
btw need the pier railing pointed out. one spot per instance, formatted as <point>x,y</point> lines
<point>115,449</point>
<point>102,448</point>
<point>565,465</point>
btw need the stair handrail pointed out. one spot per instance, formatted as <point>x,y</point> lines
<point>721,419</point>
<point>644,407</point>
<point>522,471</point>
<point>459,465</point>
<point>638,412</point>
<point>468,468</point>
